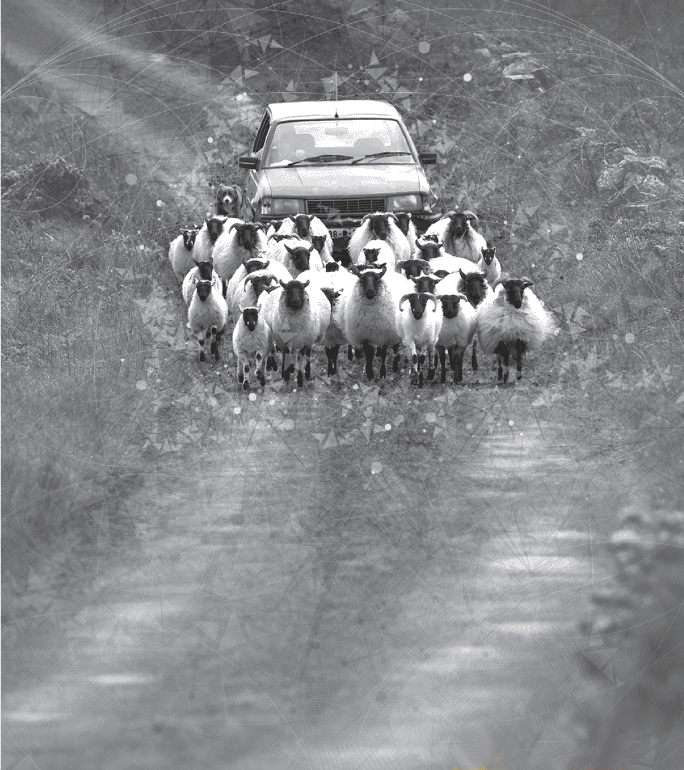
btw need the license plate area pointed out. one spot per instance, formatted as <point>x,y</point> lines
<point>340,232</point>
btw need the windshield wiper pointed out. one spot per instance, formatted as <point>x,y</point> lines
<point>322,158</point>
<point>378,155</point>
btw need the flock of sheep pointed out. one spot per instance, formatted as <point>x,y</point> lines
<point>436,294</point>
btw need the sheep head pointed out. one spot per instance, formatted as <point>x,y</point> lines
<point>295,293</point>
<point>379,224</point>
<point>426,283</point>
<point>252,265</point>
<point>514,288</point>
<point>189,238</point>
<point>300,256</point>
<point>214,227</point>
<point>418,301</point>
<point>414,267</point>
<point>250,316</point>
<point>489,253</point>
<point>429,249</point>
<point>475,286</point>
<point>228,200</point>
<point>332,295</point>
<point>203,289</point>
<point>403,221</point>
<point>318,242</point>
<point>458,225</point>
<point>259,282</point>
<point>247,234</point>
<point>369,280</point>
<point>332,267</point>
<point>371,255</point>
<point>451,303</point>
<point>205,269</point>
<point>302,223</point>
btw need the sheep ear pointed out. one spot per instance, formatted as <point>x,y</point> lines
<point>393,215</point>
<point>460,270</point>
<point>311,217</point>
<point>440,244</point>
<point>282,283</point>
<point>526,282</point>
<point>497,282</point>
<point>461,296</point>
<point>233,226</point>
<point>312,248</point>
<point>355,271</point>
<point>400,265</point>
<point>289,250</point>
<point>365,218</point>
<point>196,262</point>
<point>246,281</point>
<point>418,244</point>
<point>240,307</point>
<point>384,270</point>
<point>304,285</point>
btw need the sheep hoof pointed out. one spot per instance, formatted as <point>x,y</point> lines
<point>261,378</point>
<point>202,356</point>
<point>300,379</point>
<point>431,374</point>
<point>518,376</point>
<point>245,385</point>
<point>217,355</point>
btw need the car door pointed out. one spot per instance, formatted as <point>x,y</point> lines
<point>259,139</point>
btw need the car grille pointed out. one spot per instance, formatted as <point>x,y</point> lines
<point>331,207</point>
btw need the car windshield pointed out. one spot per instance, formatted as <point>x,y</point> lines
<point>341,142</point>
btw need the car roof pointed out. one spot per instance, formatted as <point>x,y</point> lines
<point>349,108</point>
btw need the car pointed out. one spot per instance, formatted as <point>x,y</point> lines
<point>337,160</point>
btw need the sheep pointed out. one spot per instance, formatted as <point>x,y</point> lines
<point>250,291</point>
<point>456,231</point>
<point>378,253</point>
<point>229,200</point>
<point>433,252</point>
<point>380,226</point>
<point>296,255</point>
<point>512,319</point>
<point>474,285</point>
<point>298,315</point>
<point>405,224</point>
<point>180,252</point>
<point>310,228</point>
<point>208,315</point>
<point>458,326</point>
<point>368,315</point>
<point>490,263</point>
<point>208,235</point>
<point>252,337</point>
<point>203,271</point>
<point>239,242</point>
<point>248,267</point>
<point>419,330</point>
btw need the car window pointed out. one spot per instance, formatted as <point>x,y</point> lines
<point>351,140</point>
<point>260,137</point>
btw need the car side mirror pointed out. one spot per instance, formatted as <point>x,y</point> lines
<point>428,158</point>
<point>248,161</point>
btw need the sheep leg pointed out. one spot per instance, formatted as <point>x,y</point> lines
<point>456,362</point>
<point>395,361</point>
<point>358,352</point>
<point>442,361</point>
<point>201,344</point>
<point>245,369</point>
<point>431,363</point>
<point>474,358</point>
<point>307,366</point>
<point>519,352</point>
<point>369,352</point>
<point>502,355</point>
<point>382,351</point>
<point>287,367</point>
<point>332,354</point>
<point>260,368</point>
<point>212,334</point>
<point>217,352</point>
<point>350,353</point>
<point>271,361</point>
<point>413,358</point>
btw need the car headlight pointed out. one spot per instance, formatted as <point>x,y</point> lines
<point>283,206</point>
<point>405,203</point>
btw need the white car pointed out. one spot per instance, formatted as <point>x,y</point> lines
<point>337,161</point>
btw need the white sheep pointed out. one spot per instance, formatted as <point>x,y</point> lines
<point>252,338</point>
<point>310,228</point>
<point>248,267</point>
<point>512,319</point>
<point>433,252</point>
<point>238,242</point>
<point>382,226</point>
<point>490,263</point>
<point>458,234</point>
<point>208,316</point>
<point>180,252</point>
<point>368,314</point>
<point>298,315</point>
<point>458,326</point>
<point>378,253</point>
<point>419,329</point>
<point>208,234</point>
<point>229,200</point>
<point>203,271</point>
<point>295,254</point>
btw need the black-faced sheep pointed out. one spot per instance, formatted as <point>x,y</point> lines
<point>382,226</point>
<point>405,224</point>
<point>310,228</point>
<point>236,244</point>
<point>180,252</point>
<point>419,329</point>
<point>474,285</point>
<point>252,338</point>
<point>412,268</point>
<point>458,327</point>
<point>209,233</point>
<point>458,234</point>
<point>249,266</point>
<point>433,251</point>
<point>378,253</point>
<point>490,263</point>
<point>203,271</point>
<point>208,315</point>
<point>512,319</point>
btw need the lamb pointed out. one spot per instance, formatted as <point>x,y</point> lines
<point>512,319</point>
<point>380,226</point>
<point>298,315</point>
<point>377,252</point>
<point>236,244</point>
<point>229,200</point>
<point>310,228</point>
<point>419,330</point>
<point>296,255</point>
<point>433,252</point>
<point>457,233</point>
<point>209,233</point>
<point>458,327</point>
<point>248,267</point>
<point>203,271</point>
<point>490,263</point>
<point>405,224</point>
<point>252,338</point>
<point>208,315</point>
<point>180,252</point>
<point>368,315</point>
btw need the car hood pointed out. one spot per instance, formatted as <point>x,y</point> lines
<point>335,181</point>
